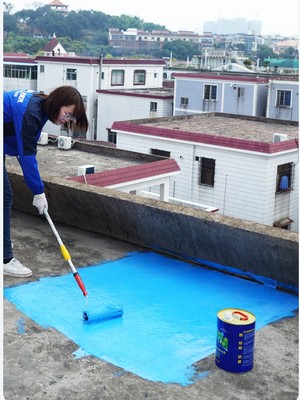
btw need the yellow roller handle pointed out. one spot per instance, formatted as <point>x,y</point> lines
<point>65,252</point>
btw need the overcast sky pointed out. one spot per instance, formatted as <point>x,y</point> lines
<point>277,18</point>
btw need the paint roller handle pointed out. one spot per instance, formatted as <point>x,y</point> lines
<point>80,283</point>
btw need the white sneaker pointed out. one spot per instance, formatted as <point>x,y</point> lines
<point>16,269</point>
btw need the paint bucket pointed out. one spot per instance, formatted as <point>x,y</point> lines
<point>235,340</point>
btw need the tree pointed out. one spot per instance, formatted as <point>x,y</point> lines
<point>180,49</point>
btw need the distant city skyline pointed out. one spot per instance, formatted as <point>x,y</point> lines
<point>275,20</point>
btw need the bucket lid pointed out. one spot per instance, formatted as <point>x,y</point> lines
<point>236,316</point>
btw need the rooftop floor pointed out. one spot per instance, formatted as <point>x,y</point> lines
<point>39,363</point>
<point>224,126</point>
<point>64,163</point>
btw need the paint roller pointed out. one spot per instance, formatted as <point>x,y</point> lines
<point>102,313</point>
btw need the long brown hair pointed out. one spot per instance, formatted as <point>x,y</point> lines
<point>64,96</point>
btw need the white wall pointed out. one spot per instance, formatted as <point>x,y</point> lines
<point>116,107</point>
<point>245,182</point>
<point>54,75</point>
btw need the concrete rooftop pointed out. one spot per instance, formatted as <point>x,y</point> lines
<point>232,126</point>
<point>39,363</point>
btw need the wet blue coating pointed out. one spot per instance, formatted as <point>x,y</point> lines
<point>170,311</point>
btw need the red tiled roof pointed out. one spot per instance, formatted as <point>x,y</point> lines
<point>128,174</point>
<point>51,44</point>
<point>57,3</point>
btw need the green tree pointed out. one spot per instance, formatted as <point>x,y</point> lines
<point>180,49</point>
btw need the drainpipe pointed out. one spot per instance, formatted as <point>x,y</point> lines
<point>100,70</point>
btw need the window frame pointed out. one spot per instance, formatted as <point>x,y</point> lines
<point>210,92</point>
<point>207,169</point>
<point>284,170</point>
<point>153,106</point>
<point>184,102</point>
<point>283,98</point>
<point>161,153</point>
<point>139,77</point>
<point>71,74</point>
<point>117,77</point>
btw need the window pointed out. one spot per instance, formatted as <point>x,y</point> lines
<point>71,74</point>
<point>112,136</point>
<point>163,153</point>
<point>207,171</point>
<point>283,98</point>
<point>284,178</point>
<point>139,77</point>
<point>210,92</point>
<point>117,77</point>
<point>42,68</point>
<point>153,106</point>
<point>240,92</point>
<point>184,102</point>
<point>20,72</point>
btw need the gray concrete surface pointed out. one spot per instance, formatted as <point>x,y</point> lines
<point>39,364</point>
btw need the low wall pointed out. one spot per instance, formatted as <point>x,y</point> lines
<point>239,247</point>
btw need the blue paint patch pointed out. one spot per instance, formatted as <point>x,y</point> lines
<point>170,311</point>
<point>80,353</point>
<point>21,325</point>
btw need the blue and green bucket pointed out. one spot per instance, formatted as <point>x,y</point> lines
<point>235,340</point>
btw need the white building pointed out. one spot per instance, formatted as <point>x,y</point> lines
<point>117,105</point>
<point>91,74</point>
<point>235,164</point>
<point>19,71</point>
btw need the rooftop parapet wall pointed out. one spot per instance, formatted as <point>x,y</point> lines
<point>193,235</point>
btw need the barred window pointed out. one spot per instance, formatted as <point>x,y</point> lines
<point>184,101</point>
<point>207,171</point>
<point>71,74</point>
<point>283,98</point>
<point>210,92</point>
<point>153,106</point>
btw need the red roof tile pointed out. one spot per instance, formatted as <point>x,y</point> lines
<point>128,174</point>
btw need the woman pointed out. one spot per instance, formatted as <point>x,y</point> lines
<point>25,114</point>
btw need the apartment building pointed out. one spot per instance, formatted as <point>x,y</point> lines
<point>136,39</point>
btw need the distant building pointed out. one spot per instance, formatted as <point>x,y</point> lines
<point>53,48</point>
<point>281,46</point>
<point>58,6</point>
<point>231,26</point>
<point>136,39</point>
<point>241,95</point>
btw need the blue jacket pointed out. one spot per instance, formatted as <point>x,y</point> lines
<point>23,121</point>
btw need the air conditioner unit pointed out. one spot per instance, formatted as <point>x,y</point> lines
<point>279,137</point>
<point>43,138</point>
<point>85,169</point>
<point>64,142</point>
